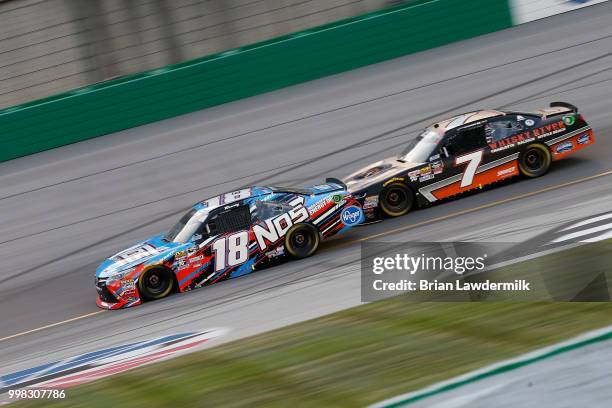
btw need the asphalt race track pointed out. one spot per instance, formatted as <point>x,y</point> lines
<point>63,211</point>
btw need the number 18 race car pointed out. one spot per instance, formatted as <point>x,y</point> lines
<point>467,152</point>
<point>224,237</point>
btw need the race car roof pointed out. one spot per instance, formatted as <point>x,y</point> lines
<point>466,118</point>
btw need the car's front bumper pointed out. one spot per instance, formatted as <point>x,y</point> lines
<point>116,294</point>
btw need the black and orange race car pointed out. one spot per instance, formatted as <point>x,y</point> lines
<point>468,152</point>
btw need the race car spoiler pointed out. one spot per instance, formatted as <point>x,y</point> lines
<point>564,105</point>
<point>335,181</point>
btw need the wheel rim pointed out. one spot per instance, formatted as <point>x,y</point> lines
<point>156,284</point>
<point>397,199</point>
<point>302,241</point>
<point>534,159</point>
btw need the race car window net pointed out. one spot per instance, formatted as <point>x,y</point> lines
<point>467,140</point>
<point>236,219</point>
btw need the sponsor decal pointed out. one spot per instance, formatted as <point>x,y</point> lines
<point>182,264</point>
<point>191,250</point>
<point>351,215</point>
<point>386,183</point>
<point>564,147</point>
<point>505,172</point>
<point>528,136</point>
<point>276,252</point>
<point>336,198</point>
<point>569,120</point>
<point>128,284</point>
<point>584,139</point>
<point>196,258</point>
<point>370,202</point>
<point>180,254</point>
<point>425,170</point>
<point>519,117</point>
<point>529,122</point>
<point>434,157</point>
<point>426,177</point>
<point>437,167</point>
<point>414,175</point>
<point>318,205</point>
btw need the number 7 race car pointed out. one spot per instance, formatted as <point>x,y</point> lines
<point>224,237</point>
<point>467,152</point>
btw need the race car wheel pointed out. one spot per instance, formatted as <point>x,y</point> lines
<point>396,199</point>
<point>302,240</point>
<point>535,161</point>
<point>155,283</point>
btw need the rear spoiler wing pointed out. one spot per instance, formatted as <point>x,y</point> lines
<point>564,105</point>
<point>335,181</point>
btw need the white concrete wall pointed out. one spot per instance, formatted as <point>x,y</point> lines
<point>524,11</point>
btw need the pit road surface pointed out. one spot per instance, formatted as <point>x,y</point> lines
<point>63,211</point>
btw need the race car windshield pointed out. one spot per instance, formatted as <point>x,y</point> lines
<point>185,228</point>
<point>420,149</point>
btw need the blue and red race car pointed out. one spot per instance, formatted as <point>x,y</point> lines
<point>224,237</point>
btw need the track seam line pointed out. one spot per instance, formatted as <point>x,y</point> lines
<point>50,325</point>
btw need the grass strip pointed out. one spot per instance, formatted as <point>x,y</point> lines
<point>351,358</point>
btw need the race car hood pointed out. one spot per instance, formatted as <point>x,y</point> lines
<point>152,250</point>
<point>379,171</point>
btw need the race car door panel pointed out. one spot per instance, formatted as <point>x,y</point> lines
<point>470,164</point>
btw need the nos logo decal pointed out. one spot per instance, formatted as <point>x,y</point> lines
<point>351,215</point>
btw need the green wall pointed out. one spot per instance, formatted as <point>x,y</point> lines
<point>248,71</point>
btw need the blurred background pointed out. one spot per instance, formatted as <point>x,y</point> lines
<point>50,46</point>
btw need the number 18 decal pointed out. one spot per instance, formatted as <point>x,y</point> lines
<point>231,250</point>
<point>473,160</point>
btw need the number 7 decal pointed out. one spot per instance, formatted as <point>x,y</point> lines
<point>473,160</point>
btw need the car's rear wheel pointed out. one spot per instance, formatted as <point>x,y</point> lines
<point>302,240</point>
<point>396,199</point>
<point>155,283</point>
<point>535,160</point>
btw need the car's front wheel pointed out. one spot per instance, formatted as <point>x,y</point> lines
<point>396,199</point>
<point>155,283</point>
<point>535,160</point>
<point>302,240</point>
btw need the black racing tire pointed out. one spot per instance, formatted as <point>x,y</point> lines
<point>396,199</point>
<point>156,283</point>
<point>302,240</point>
<point>535,160</point>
